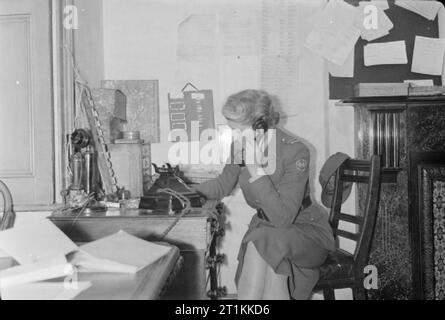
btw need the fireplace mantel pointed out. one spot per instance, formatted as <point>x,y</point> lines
<point>397,128</point>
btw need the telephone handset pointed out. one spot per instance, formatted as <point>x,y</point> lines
<point>259,124</point>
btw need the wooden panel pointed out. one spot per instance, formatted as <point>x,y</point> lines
<point>188,234</point>
<point>190,282</point>
<point>16,109</point>
<point>26,144</point>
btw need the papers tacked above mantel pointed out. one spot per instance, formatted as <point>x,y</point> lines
<point>393,52</point>
<point>374,26</point>
<point>427,9</point>
<point>428,55</point>
<point>336,30</point>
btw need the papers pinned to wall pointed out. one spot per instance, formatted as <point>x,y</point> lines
<point>45,291</point>
<point>393,52</point>
<point>336,30</point>
<point>381,4</point>
<point>427,9</point>
<point>197,38</point>
<point>281,28</point>
<point>374,26</point>
<point>344,71</point>
<point>239,32</point>
<point>428,55</point>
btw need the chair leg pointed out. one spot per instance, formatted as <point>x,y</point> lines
<point>329,294</point>
<point>359,292</point>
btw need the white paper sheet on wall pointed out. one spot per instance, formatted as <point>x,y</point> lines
<point>372,30</point>
<point>428,55</point>
<point>336,30</point>
<point>280,34</point>
<point>382,4</point>
<point>43,270</point>
<point>344,71</point>
<point>239,32</point>
<point>279,76</point>
<point>427,9</point>
<point>197,38</point>
<point>393,52</point>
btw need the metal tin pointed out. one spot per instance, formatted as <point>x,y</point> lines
<point>131,135</point>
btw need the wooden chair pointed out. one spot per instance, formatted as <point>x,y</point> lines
<point>342,269</point>
<point>8,217</point>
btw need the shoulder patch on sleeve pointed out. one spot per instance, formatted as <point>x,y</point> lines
<point>301,164</point>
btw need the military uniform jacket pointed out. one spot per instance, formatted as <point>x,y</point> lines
<point>280,195</point>
<point>292,237</point>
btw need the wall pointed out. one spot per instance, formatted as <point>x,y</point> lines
<point>88,41</point>
<point>139,45</point>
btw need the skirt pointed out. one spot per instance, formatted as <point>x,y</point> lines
<point>291,251</point>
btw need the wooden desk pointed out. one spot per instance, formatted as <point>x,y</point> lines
<point>147,284</point>
<point>191,235</point>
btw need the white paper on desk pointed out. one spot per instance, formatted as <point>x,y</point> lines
<point>126,250</point>
<point>427,9</point>
<point>336,30</point>
<point>385,53</point>
<point>344,71</point>
<point>37,241</point>
<point>45,291</point>
<point>43,270</point>
<point>372,30</point>
<point>428,55</point>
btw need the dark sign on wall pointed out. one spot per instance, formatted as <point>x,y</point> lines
<point>193,110</point>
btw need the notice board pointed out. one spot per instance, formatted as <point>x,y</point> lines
<point>407,25</point>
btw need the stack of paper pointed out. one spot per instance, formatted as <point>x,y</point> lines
<point>41,250</point>
<point>43,270</point>
<point>336,30</point>
<point>119,252</point>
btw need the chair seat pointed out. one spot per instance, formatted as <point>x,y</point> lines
<point>338,265</point>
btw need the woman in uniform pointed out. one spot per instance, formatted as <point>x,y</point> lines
<point>289,237</point>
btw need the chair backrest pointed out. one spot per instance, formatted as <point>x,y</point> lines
<point>366,173</point>
<point>8,217</point>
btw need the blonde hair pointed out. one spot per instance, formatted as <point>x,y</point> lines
<point>248,106</point>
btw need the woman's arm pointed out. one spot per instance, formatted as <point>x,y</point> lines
<point>281,204</point>
<point>221,186</point>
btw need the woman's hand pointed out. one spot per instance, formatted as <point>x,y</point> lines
<point>255,159</point>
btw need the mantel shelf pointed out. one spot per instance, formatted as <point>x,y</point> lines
<point>356,101</point>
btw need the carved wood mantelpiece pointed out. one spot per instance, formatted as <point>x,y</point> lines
<point>396,128</point>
